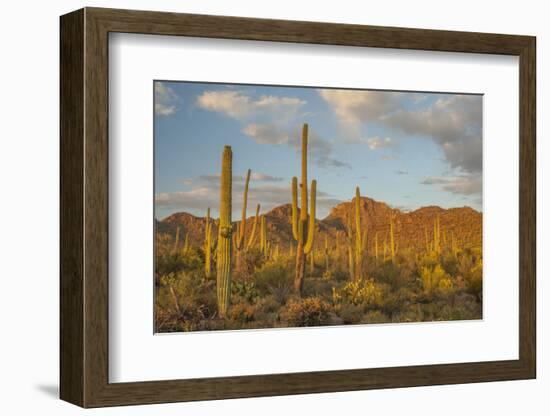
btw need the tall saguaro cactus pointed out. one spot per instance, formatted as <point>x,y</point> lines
<point>223,264</point>
<point>263,237</point>
<point>252,238</point>
<point>356,240</point>
<point>238,237</point>
<point>393,248</point>
<point>303,232</point>
<point>437,243</point>
<point>358,237</point>
<point>208,245</point>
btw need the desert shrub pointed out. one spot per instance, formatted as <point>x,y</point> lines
<point>317,287</point>
<point>245,291</point>
<point>275,280</point>
<point>306,312</point>
<point>396,274</point>
<point>474,281</point>
<point>350,313</point>
<point>184,299</point>
<point>435,279</point>
<point>249,262</point>
<point>269,304</point>
<point>192,260</point>
<point>366,293</point>
<point>375,317</point>
<point>242,312</point>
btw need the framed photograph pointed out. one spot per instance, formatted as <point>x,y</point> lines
<point>255,207</point>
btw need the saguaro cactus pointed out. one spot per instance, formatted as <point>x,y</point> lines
<point>263,237</point>
<point>303,232</point>
<point>252,238</point>
<point>176,240</point>
<point>208,245</point>
<point>223,264</point>
<point>356,240</point>
<point>376,245</point>
<point>238,237</point>
<point>358,237</point>
<point>436,243</point>
<point>393,248</point>
<point>327,254</point>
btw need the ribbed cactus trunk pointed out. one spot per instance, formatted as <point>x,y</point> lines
<point>238,237</point>
<point>252,238</point>
<point>392,240</point>
<point>176,240</point>
<point>327,254</point>
<point>437,246</point>
<point>358,275</point>
<point>263,237</point>
<point>303,232</point>
<point>223,264</point>
<point>208,245</point>
<point>376,246</point>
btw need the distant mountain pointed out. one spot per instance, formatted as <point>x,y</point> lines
<point>465,224</point>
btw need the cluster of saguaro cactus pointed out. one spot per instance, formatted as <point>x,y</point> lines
<point>303,232</point>
<point>223,263</point>
<point>185,248</point>
<point>208,245</point>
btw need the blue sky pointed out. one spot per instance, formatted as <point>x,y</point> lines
<point>407,149</point>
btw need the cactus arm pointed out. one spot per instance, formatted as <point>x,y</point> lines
<point>252,238</point>
<point>295,207</point>
<point>311,227</point>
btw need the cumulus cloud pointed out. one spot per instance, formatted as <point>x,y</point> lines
<point>379,143</point>
<point>266,134</point>
<point>320,149</point>
<point>462,184</point>
<point>452,121</point>
<point>239,106</point>
<point>354,107</point>
<point>265,189</point>
<point>165,100</point>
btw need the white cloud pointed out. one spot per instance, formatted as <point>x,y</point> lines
<point>165,100</point>
<point>265,134</point>
<point>242,107</point>
<point>453,121</point>
<point>462,184</point>
<point>354,107</point>
<point>265,189</point>
<point>320,149</point>
<point>379,143</point>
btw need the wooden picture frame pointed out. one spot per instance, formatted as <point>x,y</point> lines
<point>84,207</point>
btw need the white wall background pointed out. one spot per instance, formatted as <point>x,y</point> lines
<point>29,209</point>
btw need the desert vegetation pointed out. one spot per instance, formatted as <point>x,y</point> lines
<point>364,263</point>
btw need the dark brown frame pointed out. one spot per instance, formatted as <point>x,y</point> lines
<point>84,209</point>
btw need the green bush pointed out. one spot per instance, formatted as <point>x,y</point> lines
<point>306,312</point>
